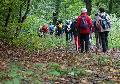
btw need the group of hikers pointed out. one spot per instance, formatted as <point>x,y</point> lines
<point>81,29</point>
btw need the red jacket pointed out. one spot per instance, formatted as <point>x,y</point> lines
<point>89,21</point>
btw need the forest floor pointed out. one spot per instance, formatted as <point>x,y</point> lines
<point>57,66</point>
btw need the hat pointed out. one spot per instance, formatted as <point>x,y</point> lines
<point>83,10</point>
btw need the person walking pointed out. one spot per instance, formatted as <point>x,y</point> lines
<point>84,25</point>
<point>104,24</point>
<point>51,28</point>
<point>68,31</point>
<point>59,26</point>
<point>97,32</point>
<point>75,34</point>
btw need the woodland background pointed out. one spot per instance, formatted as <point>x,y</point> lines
<point>25,58</point>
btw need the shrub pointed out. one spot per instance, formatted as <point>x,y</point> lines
<point>103,60</point>
<point>29,38</point>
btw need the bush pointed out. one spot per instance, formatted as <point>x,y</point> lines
<point>30,39</point>
<point>103,60</point>
<point>114,37</point>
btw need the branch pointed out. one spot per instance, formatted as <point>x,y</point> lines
<point>20,14</point>
<point>27,11</point>
<point>8,16</point>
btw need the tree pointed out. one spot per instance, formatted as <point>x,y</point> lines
<point>88,6</point>
<point>8,14</point>
<point>56,13</point>
<point>26,12</point>
<point>110,6</point>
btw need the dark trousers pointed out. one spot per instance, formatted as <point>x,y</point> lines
<point>104,40</point>
<point>51,33</point>
<point>98,40</point>
<point>59,32</point>
<point>84,41</point>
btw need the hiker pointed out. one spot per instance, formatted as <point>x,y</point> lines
<point>103,23</point>
<point>91,46</point>
<point>75,34</point>
<point>56,31</point>
<point>97,32</point>
<point>59,26</point>
<point>51,28</point>
<point>44,30</point>
<point>40,31</point>
<point>63,29</point>
<point>84,25</point>
<point>68,31</point>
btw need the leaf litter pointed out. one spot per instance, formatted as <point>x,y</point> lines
<point>58,65</point>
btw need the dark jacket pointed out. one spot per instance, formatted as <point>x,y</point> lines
<point>74,28</point>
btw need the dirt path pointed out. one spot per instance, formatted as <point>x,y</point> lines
<point>101,68</point>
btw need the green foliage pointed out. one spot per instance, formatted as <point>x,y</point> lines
<point>16,74</point>
<point>55,69</point>
<point>30,39</point>
<point>77,71</point>
<point>36,81</point>
<point>39,65</point>
<point>71,71</point>
<point>64,72</point>
<point>114,6</point>
<point>41,12</point>
<point>54,65</point>
<point>70,8</point>
<point>117,63</point>
<point>114,40</point>
<point>103,60</point>
<point>54,73</point>
<point>8,82</point>
<point>16,81</point>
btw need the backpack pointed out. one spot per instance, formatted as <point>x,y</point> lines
<point>67,28</point>
<point>104,22</point>
<point>83,23</point>
<point>95,26</point>
<point>60,26</point>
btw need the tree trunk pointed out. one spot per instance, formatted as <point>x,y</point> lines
<point>56,13</point>
<point>22,19</point>
<point>54,18</point>
<point>8,17</point>
<point>20,14</point>
<point>110,6</point>
<point>19,21</point>
<point>88,6</point>
<point>65,10</point>
<point>27,11</point>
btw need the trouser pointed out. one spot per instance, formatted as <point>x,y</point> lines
<point>84,41</point>
<point>51,33</point>
<point>69,36</point>
<point>77,42</point>
<point>98,40</point>
<point>42,34</point>
<point>59,32</point>
<point>90,40</point>
<point>104,40</point>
